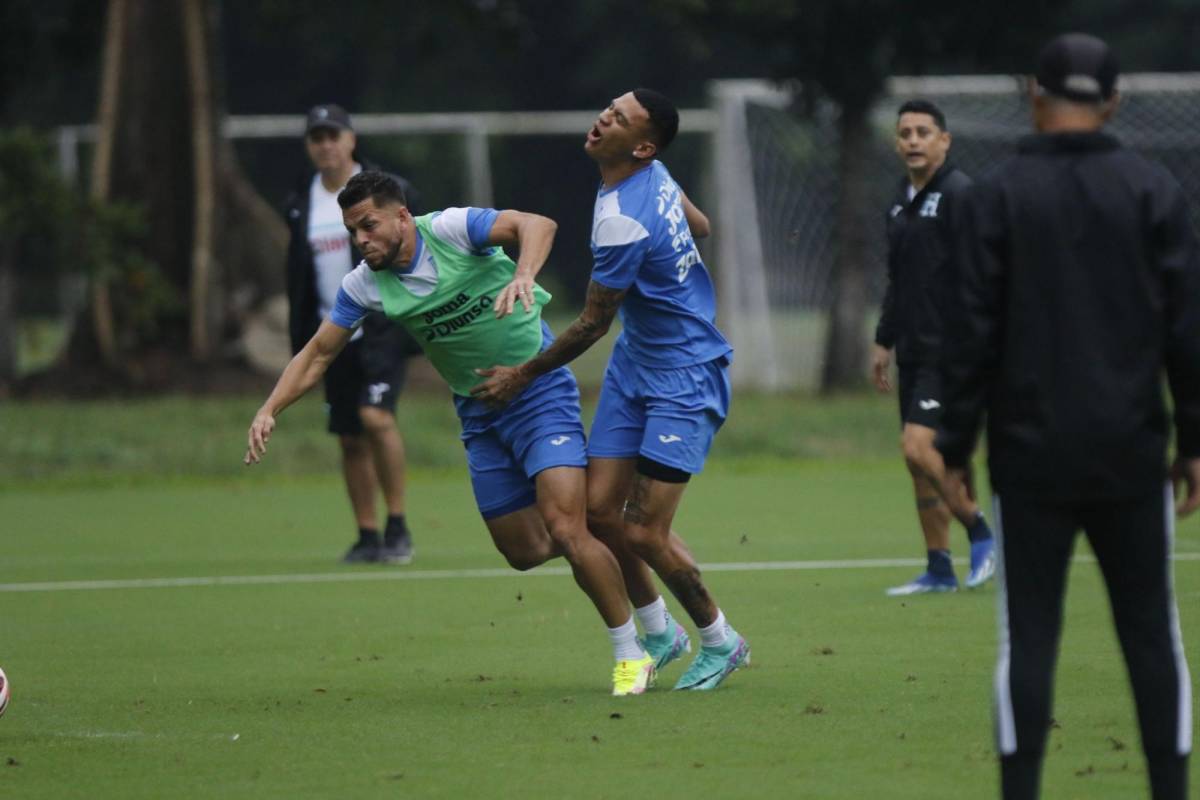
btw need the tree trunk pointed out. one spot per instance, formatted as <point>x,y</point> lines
<point>846,345</point>
<point>203,130</point>
<point>103,326</point>
<point>160,110</point>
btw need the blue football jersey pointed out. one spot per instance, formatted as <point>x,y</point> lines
<point>641,243</point>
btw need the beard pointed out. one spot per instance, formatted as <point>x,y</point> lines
<point>389,259</point>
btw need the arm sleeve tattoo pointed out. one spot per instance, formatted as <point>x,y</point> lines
<point>589,327</point>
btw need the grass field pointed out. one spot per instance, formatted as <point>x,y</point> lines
<point>176,625</point>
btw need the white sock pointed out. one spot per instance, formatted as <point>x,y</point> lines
<point>625,642</point>
<point>714,635</point>
<point>654,617</point>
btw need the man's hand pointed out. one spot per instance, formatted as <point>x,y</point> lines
<point>520,289</point>
<point>881,362</point>
<point>260,434</point>
<point>503,384</point>
<point>1187,472</point>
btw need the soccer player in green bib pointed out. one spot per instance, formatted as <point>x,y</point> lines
<point>443,276</point>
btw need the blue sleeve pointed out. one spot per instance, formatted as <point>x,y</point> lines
<point>617,266</point>
<point>479,226</point>
<point>346,313</point>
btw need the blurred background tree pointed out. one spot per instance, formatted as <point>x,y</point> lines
<point>845,50</point>
<point>180,65</point>
<point>52,228</point>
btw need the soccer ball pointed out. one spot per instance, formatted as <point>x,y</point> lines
<point>3,692</point>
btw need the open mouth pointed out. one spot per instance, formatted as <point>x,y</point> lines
<point>594,134</point>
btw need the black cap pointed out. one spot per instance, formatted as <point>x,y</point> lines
<point>1078,67</point>
<point>327,115</point>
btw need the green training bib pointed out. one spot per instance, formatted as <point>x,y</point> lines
<point>455,322</point>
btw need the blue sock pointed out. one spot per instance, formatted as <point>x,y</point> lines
<point>939,563</point>
<point>979,529</point>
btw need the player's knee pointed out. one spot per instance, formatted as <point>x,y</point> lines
<point>644,539</point>
<point>566,530</point>
<point>528,554</point>
<point>525,561</point>
<point>376,421</point>
<point>916,456</point>
<point>604,520</point>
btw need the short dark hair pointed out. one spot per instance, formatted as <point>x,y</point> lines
<point>921,106</point>
<point>664,117</point>
<point>379,186</point>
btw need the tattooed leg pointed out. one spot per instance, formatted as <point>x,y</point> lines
<point>690,592</point>
<point>635,504</point>
<point>649,509</point>
<point>608,485</point>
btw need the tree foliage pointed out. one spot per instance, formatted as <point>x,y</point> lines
<point>281,56</point>
<point>51,229</point>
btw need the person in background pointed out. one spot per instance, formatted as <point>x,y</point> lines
<point>363,384</point>
<point>921,224</point>
<point>1080,288</point>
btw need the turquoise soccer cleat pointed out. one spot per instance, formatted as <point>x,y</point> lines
<point>667,646</point>
<point>714,664</point>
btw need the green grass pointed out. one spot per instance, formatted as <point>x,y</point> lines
<point>496,686</point>
<point>132,440</point>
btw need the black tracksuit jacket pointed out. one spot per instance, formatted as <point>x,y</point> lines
<point>920,235</point>
<point>303,302</point>
<point>1079,285</point>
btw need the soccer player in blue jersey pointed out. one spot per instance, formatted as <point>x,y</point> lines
<point>439,275</point>
<point>666,389</point>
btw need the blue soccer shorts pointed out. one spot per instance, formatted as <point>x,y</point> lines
<point>667,415</point>
<point>506,450</point>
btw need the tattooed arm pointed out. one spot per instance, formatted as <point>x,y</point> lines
<point>505,383</point>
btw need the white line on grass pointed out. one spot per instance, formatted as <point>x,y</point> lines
<point>451,574</point>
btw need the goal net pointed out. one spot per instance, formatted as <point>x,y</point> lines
<point>776,189</point>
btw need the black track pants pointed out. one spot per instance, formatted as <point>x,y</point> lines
<point>1132,541</point>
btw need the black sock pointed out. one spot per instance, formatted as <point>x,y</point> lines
<point>940,563</point>
<point>396,529</point>
<point>979,530</point>
<point>368,536</point>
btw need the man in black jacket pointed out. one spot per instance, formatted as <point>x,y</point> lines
<point>920,228</point>
<point>362,385</point>
<point>1080,285</point>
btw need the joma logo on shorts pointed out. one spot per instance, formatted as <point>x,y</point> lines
<point>376,391</point>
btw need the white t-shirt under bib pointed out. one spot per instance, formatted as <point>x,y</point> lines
<point>330,243</point>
